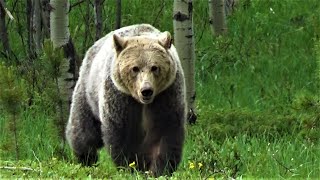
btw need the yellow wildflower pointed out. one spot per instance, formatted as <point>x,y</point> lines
<point>191,165</point>
<point>133,164</point>
<point>210,178</point>
<point>200,165</point>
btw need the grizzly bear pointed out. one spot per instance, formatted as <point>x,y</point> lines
<point>130,98</point>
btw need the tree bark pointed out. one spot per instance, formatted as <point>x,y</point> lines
<point>37,35</point>
<point>45,16</point>
<point>30,32</point>
<point>3,29</point>
<point>118,14</point>
<point>217,17</point>
<point>60,37</point>
<point>98,18</point>
<point>184,42</point>
<point>59,22</point>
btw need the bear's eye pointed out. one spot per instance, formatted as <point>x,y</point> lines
<point>154,68</point>
<point>135,69</point>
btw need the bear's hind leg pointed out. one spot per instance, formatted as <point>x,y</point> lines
<point>84,133</point>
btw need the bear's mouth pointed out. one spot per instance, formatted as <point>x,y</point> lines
<point>146,100</point>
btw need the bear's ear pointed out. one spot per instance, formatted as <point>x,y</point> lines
<point>119,43</point>
<point>165,39</point>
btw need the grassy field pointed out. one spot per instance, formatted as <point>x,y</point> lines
<point>258,97</point>
<point>205,156</point>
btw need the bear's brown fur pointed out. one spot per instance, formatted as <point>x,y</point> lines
<point>130,97</point>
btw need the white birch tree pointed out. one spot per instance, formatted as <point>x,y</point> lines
<point>59,22</point>
<point>60,37</point>
<point>184,42</point>
<point>29,20</point>
<point>37,35</point>
<point>217,17</point>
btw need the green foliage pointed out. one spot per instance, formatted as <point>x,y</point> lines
<point>317,50</point>
<point>12,92</point>
<point>52,59</point>
<point>302,121</point>
<point>12,96</point>
<point>241,157</point>
<point>266,58</point>
<point>251,157</point>
<point>50,66</point>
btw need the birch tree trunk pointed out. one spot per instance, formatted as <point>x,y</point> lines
<point>30,32</point>
<point>217,17</point>
<point>59,22</point>
<point>118,14</point>
<point>3,29</point>
<point>98,18</point>
<point>60,37</point>
<point>184,42</point>
<point>37,35</point>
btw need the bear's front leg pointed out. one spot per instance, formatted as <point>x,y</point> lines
<point>165,154</point>
<point>113,137</point>
<point>165,125</point>
<point>83,129</point>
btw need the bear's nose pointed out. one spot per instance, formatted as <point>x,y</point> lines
<point>147,92</point>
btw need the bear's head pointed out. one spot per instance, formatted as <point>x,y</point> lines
<point>144,66</point>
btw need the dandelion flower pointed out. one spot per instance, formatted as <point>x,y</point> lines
<point>200,165</point>
<point>191,165</point>
<point>133,164</point>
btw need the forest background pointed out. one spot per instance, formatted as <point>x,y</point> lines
<point>257,92</point>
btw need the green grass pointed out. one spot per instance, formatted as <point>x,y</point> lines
<point>258,98</point>
<point>223,154</point>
